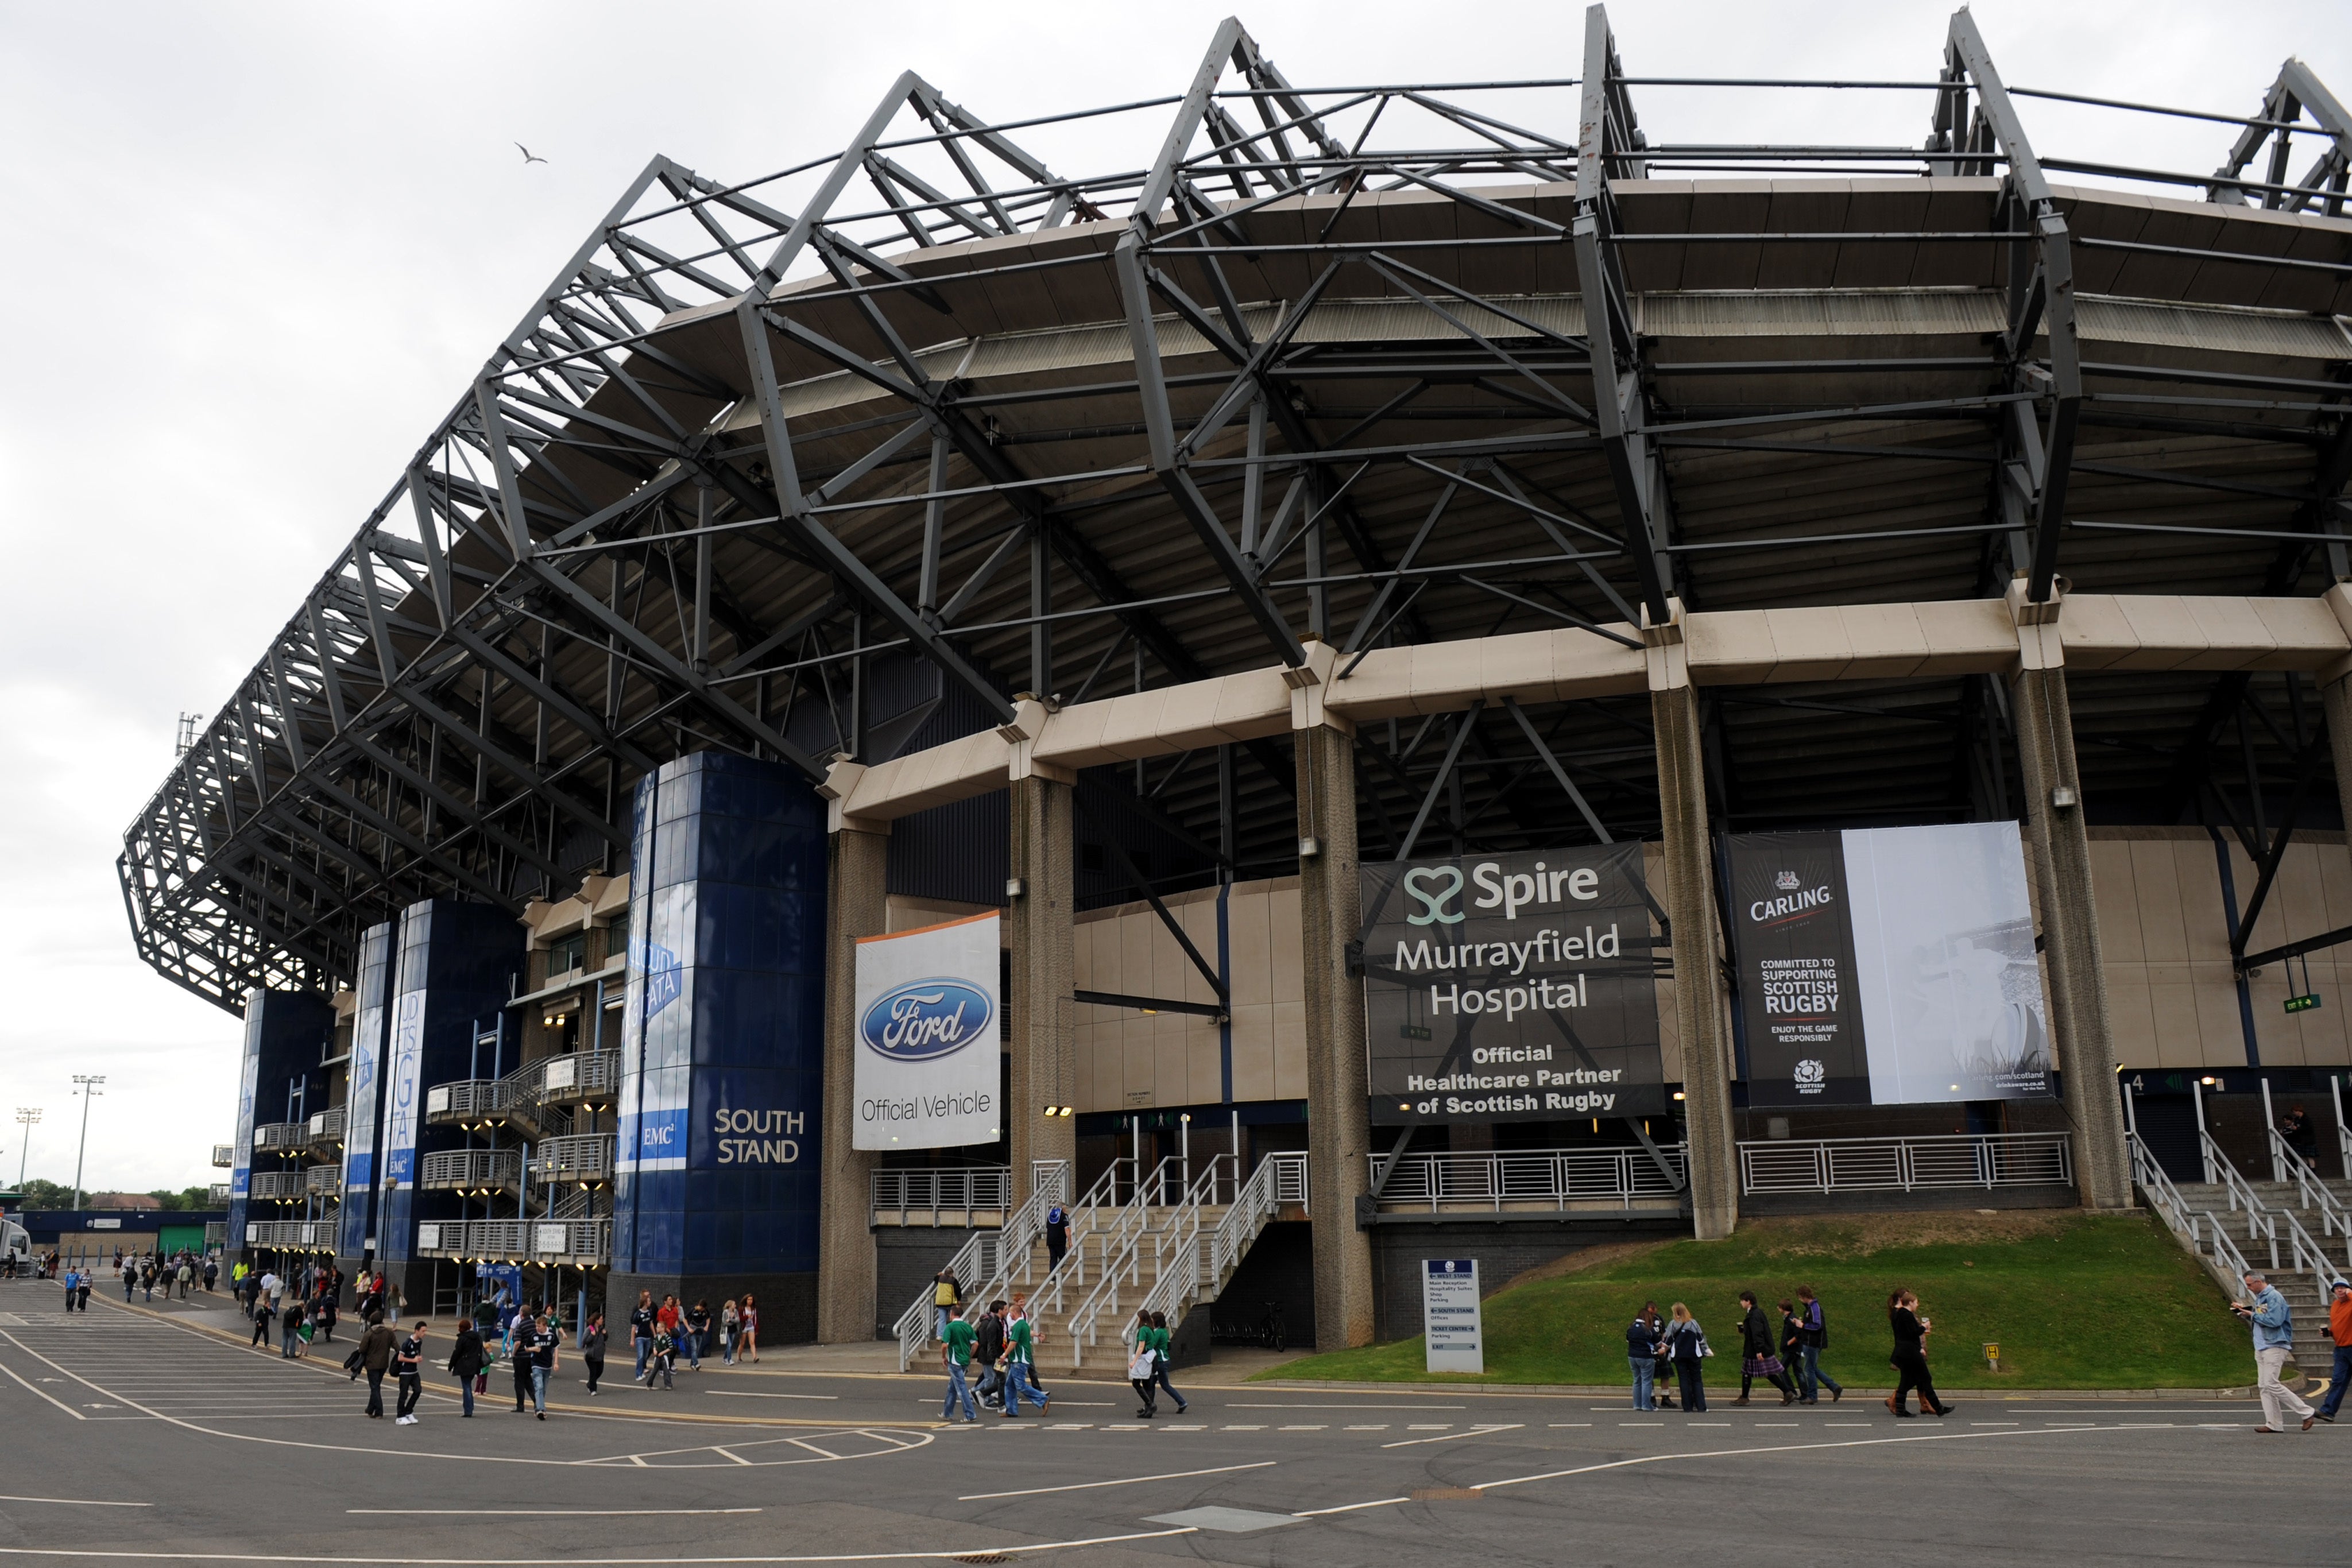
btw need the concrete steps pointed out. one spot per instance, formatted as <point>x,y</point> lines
<point>2313,1350</point>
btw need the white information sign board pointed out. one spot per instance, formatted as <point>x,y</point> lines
<point>1449,1314</point>
<point>927,1047</point>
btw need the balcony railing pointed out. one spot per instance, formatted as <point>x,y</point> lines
<point>218,1195</point>
<point>293,1235</point>
<point>1902,1164</point>
<point>583,1157</point>
<point>902,1197</point>
<point>467,1102</point>
<point>471,1170</point>
<point>583,1076</point>
<point>325,1180</point>
<point>327,1127</point>
<point>279,1137</point>
<point>224,1157</point>
<point>215,1233</point>
<point>569,1241</point>
<point>279,1186</point>
<point>1535,1179</point>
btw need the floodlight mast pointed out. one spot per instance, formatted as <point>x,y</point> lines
<point>88,1090</point>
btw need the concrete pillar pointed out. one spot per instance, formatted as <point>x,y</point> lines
<point>855,891</point>
<point>1039,926</point>
<point>1702,1005</point>
<point>2061,849</point>
<point>1331,913</point>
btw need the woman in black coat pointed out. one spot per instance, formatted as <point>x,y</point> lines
<point>1758,1357</point>
<point>1910,1357</point>
<point>467,1361</point>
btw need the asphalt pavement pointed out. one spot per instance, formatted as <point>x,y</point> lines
<point>143,1434</point>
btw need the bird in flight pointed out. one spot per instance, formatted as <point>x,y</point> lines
<point>527,155</point>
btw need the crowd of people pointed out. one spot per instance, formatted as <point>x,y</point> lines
<point>659,1335</point>
<point>1786,1356</point>
<point>138,1271</point>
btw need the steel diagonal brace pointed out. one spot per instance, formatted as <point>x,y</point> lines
<point>792,506</point>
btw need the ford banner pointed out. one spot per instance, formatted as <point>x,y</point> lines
<point>927,1037</point>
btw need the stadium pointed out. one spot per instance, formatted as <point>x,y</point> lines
<point>1175,561</point>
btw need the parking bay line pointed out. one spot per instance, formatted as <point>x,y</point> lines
<point>547,1512</point>
<point>1123,1482</point>
<point>748,1394</point>
<point>77,1502</point>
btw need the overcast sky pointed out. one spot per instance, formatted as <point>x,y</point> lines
<point>256,251</point>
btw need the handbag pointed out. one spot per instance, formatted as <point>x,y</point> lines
<point>1141,1367</point>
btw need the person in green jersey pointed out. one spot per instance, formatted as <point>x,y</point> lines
<point>957,1337</point>
<point>1020,1367</point>
<point>1162,1345</point>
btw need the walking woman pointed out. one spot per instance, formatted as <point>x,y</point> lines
<point>749,1346</point>
<point>1686,1347</point>
<point>1757,1356</point>
<point>1141,1363</point>
<point>730,1324</point>
<point>591,1349</point>
<point>1162,1342</point>
<point>465,1359</point>
<point>1642,1338</point>
<point>1910,1357</point>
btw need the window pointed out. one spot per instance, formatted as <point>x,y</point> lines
<point>567,952</point>
<point>616,937</point>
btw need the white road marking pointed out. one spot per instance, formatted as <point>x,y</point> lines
<point>1231,1428</point>
<point>1381,1427</point>
<point>1416,1406</point>
<point>968,1550</point>
<point>1124,1481</point>
<point>1474,1432</point>
<point>546,1512</point>
<point>1429,1427</point>
<point>1318,1427</point>
<point>36,1388</point>
<point>1586,1424</point>
<point>76,1502</point>
<point>747,1393</point>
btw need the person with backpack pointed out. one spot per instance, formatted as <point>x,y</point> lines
<point>1642,1338</point>
<point>410,1363</point>
<point>1057,1237</point>
<point>1688,1348</point>
<point>466,1362</point>
<point>374,1357</point>
<point>1758,1358</point>
<point>1812,1338</point>
<point>946,1294</point>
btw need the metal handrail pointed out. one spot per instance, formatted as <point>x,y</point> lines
<point>327,1126</point>
<point>1132,1226</point>
<point>2262,1221</point>
<point>276,1185</point>
<point>979,1256</point>
<point>1279,1178</point>
<point>327,1180</point>
<point>579,1074</point>
<point>1882,1165</point>
<point>280,1135</point>
<point>2226,1263</point>
<point>1086,1230</point>
<point>224,1157</point>
<point>467,1168</point>
<point>580,1156</point>
<point>1557,1176</point>
<point>954,1189</point>
<point>2334,1219</point>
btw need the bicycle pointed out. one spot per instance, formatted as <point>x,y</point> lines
<point>1271,1335</point>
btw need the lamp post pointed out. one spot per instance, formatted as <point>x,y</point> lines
<point>88,1088</point>
<point>26,1115</point>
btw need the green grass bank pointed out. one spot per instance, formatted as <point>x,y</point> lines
<point>2074,1301</point>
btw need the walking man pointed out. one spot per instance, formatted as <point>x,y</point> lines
<point>2339,1331</point>
<point>411,1364</point>
<point>1812,1338</point>
<point>641,1330</point>
<point>1057,1236</point>
<point>375,1350</point>
<point>1020,1367</point>
<point>2273,1326</point>
<point>541,1343</point>
<point>957,1337</point>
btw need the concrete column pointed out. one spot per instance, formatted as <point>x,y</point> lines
<point>855,894</point>
<point>1331,913</point>
<point>2061,848</point>
<point>1039,926</point>
<point>1702,1005</point>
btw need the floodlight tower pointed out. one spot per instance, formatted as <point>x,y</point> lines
<point>87,1086</point>
<point>26,1115</point>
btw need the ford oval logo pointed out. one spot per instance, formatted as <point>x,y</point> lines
<point>925,1019</point>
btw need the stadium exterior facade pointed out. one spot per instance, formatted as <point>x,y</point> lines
<point>929,529</point>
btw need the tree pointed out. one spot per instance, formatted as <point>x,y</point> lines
<point>39,1194</point>
<point>185,1198</point>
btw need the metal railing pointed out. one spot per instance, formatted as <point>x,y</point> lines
<point>2311,1192</point>
<point>983,1256</point>
<point>582,1156</point>
<point>218,1195</point>
<point>1893,1164</point>
<point>2262,1222</point>
<point>950,1189</point>
<point>581,1075</point>
<point>2202,1233</point>
<point>1153,1222</point>
<point>467,1100</point>
<point>275,1186</point>
<point>1197,1264</point>
<point>280,1136</point>
<point>224,1157</point>
<point>324,1180</point>
<point>1534,1177</point>
<point>516,1240</point>
<point>294,1235</point>
<point>470,1170</point>
<point>215,1233</point>
<point>327,1126</point>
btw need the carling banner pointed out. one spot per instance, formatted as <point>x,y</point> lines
<point>1511,989</point>
<point>927,1040</point>
<point>1889,967</point>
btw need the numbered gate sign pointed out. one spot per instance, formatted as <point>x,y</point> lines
<point>1449,1314</point>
